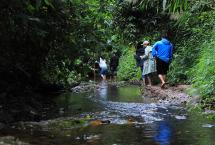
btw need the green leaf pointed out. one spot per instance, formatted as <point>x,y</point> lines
<point>30,8</point>
<point>48,3</point>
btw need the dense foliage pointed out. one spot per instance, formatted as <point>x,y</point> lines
<point>47,44</point>
<point>128,69</point>
<point>58,41</point>
<point>193,61</point>
<point>190,25</point>
<point>54,41</point>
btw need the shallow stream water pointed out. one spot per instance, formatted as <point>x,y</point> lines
<point>118,116</point>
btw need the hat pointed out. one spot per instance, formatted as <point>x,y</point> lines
<point>145,43</point>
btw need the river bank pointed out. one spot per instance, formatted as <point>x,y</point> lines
<point>171,95</point>
<point>30,106</point>
<point>112,113</point>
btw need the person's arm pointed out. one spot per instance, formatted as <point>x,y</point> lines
<point>146,55</point>
<point>100,61</point>
<point>154,50</point>
<point>171,53</point>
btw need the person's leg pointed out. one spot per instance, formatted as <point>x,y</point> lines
<point>159,70</point>
<point>144,81</point>
<point>104,77</point>
<point>103,73</point>
<point>114,72</point>
<point>149,80</point>
<point>162,79</point>
<point>162,68</point>
<point>114,75</point>
<point>111,76</point>
<point>142,75</point>
<point>165,70</point>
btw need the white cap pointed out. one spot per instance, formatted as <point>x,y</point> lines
<point>145,43</point>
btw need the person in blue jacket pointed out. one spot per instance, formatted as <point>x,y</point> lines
<point>163,52</point>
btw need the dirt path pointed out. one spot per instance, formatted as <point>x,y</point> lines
<point>171,95</point>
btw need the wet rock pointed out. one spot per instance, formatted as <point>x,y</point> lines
<point>10,140</point>
<point>194,100</point>
<point>92,137</point>
<point>61,111</point>
<point>84,87</point>
<point>135,82</point>
<point>180,117</point>
<point>78,138</point>
<point>208,125</point>
<point>105,121</point>
<point>209,111</point>
<point>99,122</point>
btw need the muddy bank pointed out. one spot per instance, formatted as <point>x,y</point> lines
<point>91,86</point>
<point>10,140</point>
<point>171,95</point>
<point>175,95</point>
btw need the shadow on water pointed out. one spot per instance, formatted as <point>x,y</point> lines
<point>129,120</point>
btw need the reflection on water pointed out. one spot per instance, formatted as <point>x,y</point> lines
<point>73,103</point>
<point>163,135</point>
<point>103,90</point>
<point>132,121</point>
<point>118,94</point>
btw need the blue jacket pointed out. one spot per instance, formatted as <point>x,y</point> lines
<point>163,49</point>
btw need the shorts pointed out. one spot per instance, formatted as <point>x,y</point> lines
<point>113,71</point>
<point>162,66</point>
<point>103,71</point>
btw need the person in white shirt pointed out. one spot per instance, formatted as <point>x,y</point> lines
<point>103,67</point>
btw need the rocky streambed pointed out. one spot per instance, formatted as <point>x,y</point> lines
<point>115,113</point>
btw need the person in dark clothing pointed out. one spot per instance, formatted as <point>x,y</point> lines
<point>140,51</point>
<point>114,62</point>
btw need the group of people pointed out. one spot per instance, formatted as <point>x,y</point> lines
<point>114,61</point>
<point>154,59</point>
<point>149,59</point>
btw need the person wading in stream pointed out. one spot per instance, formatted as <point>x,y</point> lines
<point>163,52</point>
<point>103,67</point>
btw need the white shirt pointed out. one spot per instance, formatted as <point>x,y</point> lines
<point>102,63</point>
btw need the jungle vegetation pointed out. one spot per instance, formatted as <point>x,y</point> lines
<point>56,42</point>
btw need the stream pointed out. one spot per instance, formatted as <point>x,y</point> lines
<point>113,115</point>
